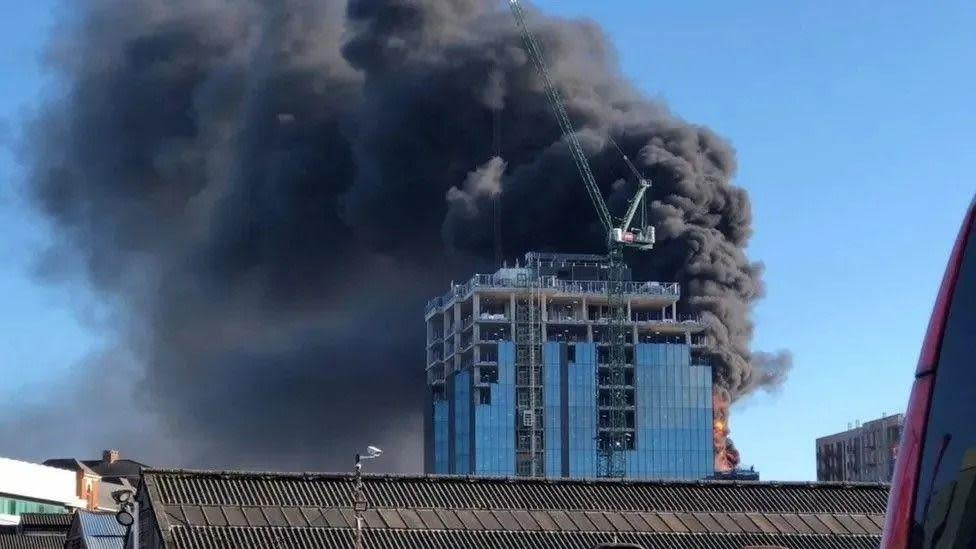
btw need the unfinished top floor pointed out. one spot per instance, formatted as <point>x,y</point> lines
<point>561,279</point>
<point>571,305</point>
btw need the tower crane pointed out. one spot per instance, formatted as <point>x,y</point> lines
<point>614,436</point>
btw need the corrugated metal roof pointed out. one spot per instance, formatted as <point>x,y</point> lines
<point>31,542</point>
<point>104,543</point>
<point>96,530</point>
<point>56,521</point>
<point>220,509</point>
<point>100,524</point>
<point>210,538</point>
<point>280,490</point>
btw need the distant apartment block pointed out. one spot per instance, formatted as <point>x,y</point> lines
<point>518,384</point>
<point>864,453</point>
<point>27,488</point>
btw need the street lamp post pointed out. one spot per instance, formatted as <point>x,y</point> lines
<point>359,499</point>
<point>126,516</point>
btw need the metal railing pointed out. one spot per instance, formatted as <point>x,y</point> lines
<point>563,317</point>
<point>656,317</point>
<point>551,283</point>
<point>494,316</point>
<point>564,338</point>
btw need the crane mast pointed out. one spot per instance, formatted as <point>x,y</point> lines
<point>615,397</point>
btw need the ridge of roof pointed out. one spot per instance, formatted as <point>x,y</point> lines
<point>283,475</point>
<point>70,464</point>
<point>116,462</point>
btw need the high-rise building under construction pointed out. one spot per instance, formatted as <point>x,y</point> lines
<point>519,380</point>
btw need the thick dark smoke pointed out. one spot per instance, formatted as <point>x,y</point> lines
<point>268,192</point>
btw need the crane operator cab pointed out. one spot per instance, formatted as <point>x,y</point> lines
<point>634,238</point>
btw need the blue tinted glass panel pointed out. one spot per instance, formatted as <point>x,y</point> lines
<point>581,395</point>
<point>441,463</point>
<point>462,423</point>
<point>674,415</point>
<point>552,366</point>
<point>495,421</point>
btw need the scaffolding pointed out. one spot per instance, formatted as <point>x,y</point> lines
<point>616,401</point>
<point>614,394</point>
<point>528,372</point>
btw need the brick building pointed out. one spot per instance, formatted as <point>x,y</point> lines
<point>864,453</point>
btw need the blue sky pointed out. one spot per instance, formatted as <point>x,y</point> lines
<point>40,333</point>
<point>854,129</point>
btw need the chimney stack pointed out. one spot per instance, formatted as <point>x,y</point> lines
<point>110,456</point>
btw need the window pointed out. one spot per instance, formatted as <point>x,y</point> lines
<point>488,374</point>
<point>13,506</point>
<point>943,513</point>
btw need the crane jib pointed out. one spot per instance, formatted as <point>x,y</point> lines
<point>642,238</point>
<point>565,125</point>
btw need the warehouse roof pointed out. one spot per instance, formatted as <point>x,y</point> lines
<point>36,531</point>
<point>56,522</point>
<point>19,541</point>
<point>200,509</point>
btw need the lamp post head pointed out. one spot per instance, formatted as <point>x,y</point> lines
<point>124,518</point>
<point>122,496</point>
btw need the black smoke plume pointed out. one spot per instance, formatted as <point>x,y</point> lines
<point>267,192</point>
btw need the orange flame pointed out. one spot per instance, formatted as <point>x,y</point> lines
<point>726,455</point>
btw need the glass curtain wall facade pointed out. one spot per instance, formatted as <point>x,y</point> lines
<point>474,431</point>
<point>674,415</point>
<point>673,424</point>
<point>494,419</point>
<point>581,412</point>
<point>441,409</point>
<point>552,354</point>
